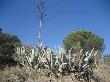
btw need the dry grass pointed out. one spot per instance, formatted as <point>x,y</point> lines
<point>27,74</point>
<point>102,73</point>
<point>17,75</point>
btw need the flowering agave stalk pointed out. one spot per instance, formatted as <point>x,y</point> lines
<point>41,17</point>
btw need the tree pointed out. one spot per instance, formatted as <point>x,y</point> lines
<point>83,39</point>
<point>0,30</point>
<point>8,44</point>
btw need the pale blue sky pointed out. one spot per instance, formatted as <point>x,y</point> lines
<point>63,16</point>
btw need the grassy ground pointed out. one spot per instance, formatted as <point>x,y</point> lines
<point>26,74</point>
<point>102,73</point>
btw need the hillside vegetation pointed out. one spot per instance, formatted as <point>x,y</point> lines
<point>79,61</point>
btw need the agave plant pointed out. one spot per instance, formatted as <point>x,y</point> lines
<point>84,66</point>
<point>61,62</point>
<point>24,55</point>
